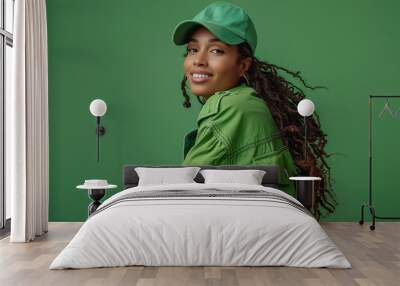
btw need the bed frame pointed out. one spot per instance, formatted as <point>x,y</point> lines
<point>130,178</point>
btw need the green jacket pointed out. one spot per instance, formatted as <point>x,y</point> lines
<point>235,127</point>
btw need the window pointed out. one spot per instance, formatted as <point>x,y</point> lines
<point>6,60</point>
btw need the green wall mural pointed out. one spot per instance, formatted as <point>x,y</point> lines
<point>122,52</point>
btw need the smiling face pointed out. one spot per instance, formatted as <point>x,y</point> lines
<point>211,65</point>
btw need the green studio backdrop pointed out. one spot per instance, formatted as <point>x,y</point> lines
<point>121,51</point>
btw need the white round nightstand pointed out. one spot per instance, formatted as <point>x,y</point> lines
<point>96,191</point>
<point>305,178</point>
<point>305,190</point>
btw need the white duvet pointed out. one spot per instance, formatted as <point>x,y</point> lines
<point>200,231</point>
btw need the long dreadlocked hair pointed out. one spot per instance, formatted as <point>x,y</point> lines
<point>282,97</point>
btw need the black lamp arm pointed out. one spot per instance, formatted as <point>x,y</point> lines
<point>305,138</point>
<point>100,130</point>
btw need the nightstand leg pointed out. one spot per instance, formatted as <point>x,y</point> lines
<point>93,207</point>
<point>305,193</point>
<point>312,198</point>
<point>96,195</point>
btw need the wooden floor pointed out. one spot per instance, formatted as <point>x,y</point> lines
<point>374,255</point>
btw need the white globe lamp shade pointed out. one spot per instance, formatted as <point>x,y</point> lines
<point>305,107</point>
<point>98,107</point>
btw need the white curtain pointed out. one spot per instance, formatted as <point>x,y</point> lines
<point>27,124</point>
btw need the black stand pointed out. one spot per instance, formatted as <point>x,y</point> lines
<point>369,205</point>
<point>96,195</point>
<point>305,194</point>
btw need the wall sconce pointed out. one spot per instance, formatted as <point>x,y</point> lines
<point>305,108</point>
<point>98,108</point>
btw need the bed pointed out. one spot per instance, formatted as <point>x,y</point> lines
<point>201,224</point>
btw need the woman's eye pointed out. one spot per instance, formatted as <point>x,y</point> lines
<point>218,51</point>
<point>194,50</point>
<point>188,51</point>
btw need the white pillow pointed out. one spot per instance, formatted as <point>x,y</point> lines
<point>162,176</point>
<point>248,177</point>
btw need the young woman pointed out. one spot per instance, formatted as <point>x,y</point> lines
<point>249,114</point>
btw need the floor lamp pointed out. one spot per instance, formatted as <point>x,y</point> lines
<point>98,108</point>
<point>305,108</point>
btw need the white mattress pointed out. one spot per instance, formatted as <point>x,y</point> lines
<point>200,231</point>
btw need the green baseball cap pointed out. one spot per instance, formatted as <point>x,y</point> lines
<point>226,21</point>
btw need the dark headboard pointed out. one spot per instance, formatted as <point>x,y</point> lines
<point>130,178</point>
